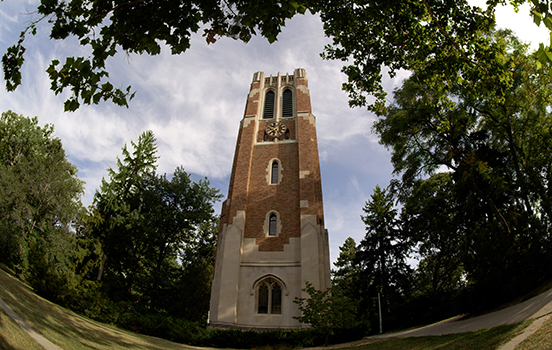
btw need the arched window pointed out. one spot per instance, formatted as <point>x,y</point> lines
<point>269,297</point>
<point>274,174</point>
<point>286,137</point>
<point>272,225</point>
<point>287,104</point>
<point>269,105</point>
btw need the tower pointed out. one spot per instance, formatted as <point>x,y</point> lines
<point>271,235</point>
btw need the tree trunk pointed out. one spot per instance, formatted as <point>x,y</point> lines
<point>101,269</point>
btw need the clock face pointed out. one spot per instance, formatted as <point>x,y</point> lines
<point>276,129</point>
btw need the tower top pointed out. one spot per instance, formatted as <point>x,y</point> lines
<point>279,78</point>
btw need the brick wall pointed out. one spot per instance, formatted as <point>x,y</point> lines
<point>249,189</point>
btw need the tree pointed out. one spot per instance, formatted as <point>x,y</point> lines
<point>432,219</point>
<point>346,275</point>
<point>146,223</point>
<point>382,253</point>
<point>141,27</point>
<point>325,310</point>
<point>496,145</point>
<point>39,195</point>
<point>397,35</point>
<point>178,218</point>
<point>442,41</point>
<point>112,213</point>
<point>190,297</point>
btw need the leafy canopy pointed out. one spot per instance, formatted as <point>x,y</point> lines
<point>107,27</point>
<point>475,167</point>
<point>381,255</point>
<point>39,192</point>
<point>374,37</point>
<point>157,235</point>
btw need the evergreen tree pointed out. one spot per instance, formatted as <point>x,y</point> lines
<point>345,276</point>
<point>157,235</point>
<point>382,254</point>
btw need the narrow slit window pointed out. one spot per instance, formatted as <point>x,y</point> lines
<point>269,105</point>
<point>272,225</point>
<point>287,104</point>
<point>274,174</point>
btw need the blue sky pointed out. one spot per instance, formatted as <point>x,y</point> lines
<point>194,102</point>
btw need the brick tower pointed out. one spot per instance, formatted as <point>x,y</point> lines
<point>271,236</point>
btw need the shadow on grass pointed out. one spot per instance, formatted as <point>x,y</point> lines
<point>67,329</point>
<point>486,339</point>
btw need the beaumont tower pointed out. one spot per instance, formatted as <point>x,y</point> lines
<point>271,236</point>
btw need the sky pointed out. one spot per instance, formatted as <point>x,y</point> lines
<point>194,102</point>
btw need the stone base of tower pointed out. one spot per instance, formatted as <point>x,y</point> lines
<point>242,271</point>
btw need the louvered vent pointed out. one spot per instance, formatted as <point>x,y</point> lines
<point>269,105</point>
<point>287,104</point>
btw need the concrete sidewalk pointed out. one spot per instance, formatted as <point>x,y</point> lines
<point>535,308</point>
<point>538,308</point>
<point>45,343</point>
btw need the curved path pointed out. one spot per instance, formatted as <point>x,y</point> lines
<point>538,308</point>
<point>46,344</point>
<point>535,308</point>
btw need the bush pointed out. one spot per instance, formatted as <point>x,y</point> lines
<point>246,339</point>
<point>164,326</point>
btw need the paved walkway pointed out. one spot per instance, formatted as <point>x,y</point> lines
<point>46,344</point>
<point>538,308</point>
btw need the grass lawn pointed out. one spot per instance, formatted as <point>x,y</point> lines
<point>486,339</point>
<point>62,327</point>
<point>541,339</point>
<point>12,336</point>
<point>70,331</point>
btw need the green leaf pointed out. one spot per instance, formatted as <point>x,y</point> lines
<point>548,54</point>
<point>537,17</point>
<point>71,105</point>
<point>547,22</point>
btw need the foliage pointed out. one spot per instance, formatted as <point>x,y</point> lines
<point>399,35</point>
<point>139,27</point>
<point>345,276</point>
<point>325,310</point>
<point>483,224</point>
<point>165,326</point>
<point>382,255</point>
<point>39,195</point>
<point>431,217</point>
<point>157,236</point>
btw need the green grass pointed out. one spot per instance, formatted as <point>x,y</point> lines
<point>61,326</point>
<point>13,337</point>
<point>71,331</point>
<point>541,339</point>
<point>486,339</point>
